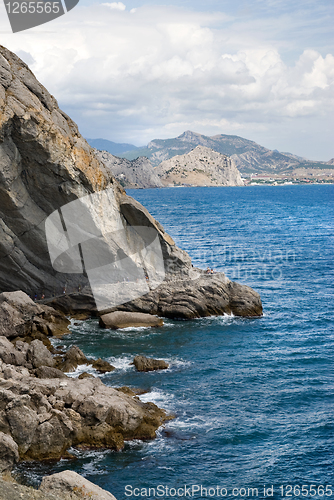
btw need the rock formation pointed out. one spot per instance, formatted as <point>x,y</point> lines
<point>45,165</point>
<point>144,364</point>
<point>122,319</point>
<point>73,484</point>
<point>66,485</point>
<point>201,167</point>
<point>138,173</point>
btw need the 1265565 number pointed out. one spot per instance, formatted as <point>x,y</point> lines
<point>33,7</point>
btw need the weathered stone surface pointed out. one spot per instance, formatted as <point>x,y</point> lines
<point>9,453</point>
<point>102,366</point>
<point>138,173</point>
<point>122,319</point>
<point>20,316</point>
<point>85,375</point>
<point>144,364</point>
<point>47,416</point>
<point>73,358</point>
<point>49,372</point>
<point>38,355</point>
<point>72,483</point>
<point>207,295</point>
<point>200,167</point>
<point>9,354</point>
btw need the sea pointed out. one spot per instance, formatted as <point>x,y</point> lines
<point>253,399</point>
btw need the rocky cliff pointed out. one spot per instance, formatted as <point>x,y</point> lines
<point>44,164</point>
<point>138,173</point>
<point>201,167</point>
<point>52,183</point>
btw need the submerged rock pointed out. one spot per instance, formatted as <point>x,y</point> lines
<point>144,364</point>
<point>122,319</point>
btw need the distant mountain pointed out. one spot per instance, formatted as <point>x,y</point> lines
<point>114,148</point>
<point>248,156</point>
<point>138,173</point>
<point>201,167</point>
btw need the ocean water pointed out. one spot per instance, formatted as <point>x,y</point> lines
<point>253,398</point>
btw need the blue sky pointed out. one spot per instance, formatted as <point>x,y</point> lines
<point>134,71</point>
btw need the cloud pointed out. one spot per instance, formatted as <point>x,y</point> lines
<point>115,5</point>
<point>156,71</point>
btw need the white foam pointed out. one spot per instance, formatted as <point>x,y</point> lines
<point>121,363</point>
<point>84,368</point>
<point>157,397</point>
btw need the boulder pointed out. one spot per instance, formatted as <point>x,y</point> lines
<point>144,364</point>
<point>71,483</point>
<point>38,355</point>
<point>9,453</point>
<point>10,355</point>
<point>122,319</point>
<point>102,366</point>
<point>85,375</point>
<point>72,359</point>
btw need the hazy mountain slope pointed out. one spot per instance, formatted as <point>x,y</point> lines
<point>114,148</point>
<point>247,155</point>
<point>201,167</point>
<point>138,173</point>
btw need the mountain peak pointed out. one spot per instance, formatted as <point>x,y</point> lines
<point>189,136</point>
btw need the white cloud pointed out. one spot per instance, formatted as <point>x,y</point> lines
<point>132,78</point>
<point>115,5</point>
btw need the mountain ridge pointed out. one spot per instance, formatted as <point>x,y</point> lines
<point>249,156</point>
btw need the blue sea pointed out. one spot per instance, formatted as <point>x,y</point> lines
<point>253,398</point>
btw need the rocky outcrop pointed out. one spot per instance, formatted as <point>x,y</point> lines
<point>21,317</point>
<point>138,173</point>
<point>71,483</point>
<point>44,164</point>
<point>201,167</point>
<point>144,364</point>
<point>122,319</point>
<point>205,295</point>
<point>46,416</point>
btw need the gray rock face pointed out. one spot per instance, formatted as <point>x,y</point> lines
<point>122,319</point>
<point>71,483</point>
<point>201,167</point>
<point>44,164</point>
<point>38,355</point>
<point>8,452</point>
<point>138,173</point>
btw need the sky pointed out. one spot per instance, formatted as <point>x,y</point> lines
<point>138,70</point>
